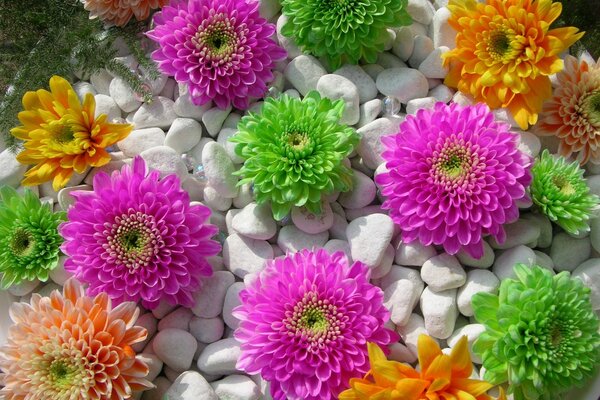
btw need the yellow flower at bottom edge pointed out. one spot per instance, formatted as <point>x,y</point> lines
<point>505,51</point>
<point>442,377</point>
<point>62,135</point>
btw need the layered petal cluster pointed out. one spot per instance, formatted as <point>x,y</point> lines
<point>305,323</point>
<point>454,175</point>
<point>119,12</point>
<point>69,346</point>
<point>440,376</point>
<point>293,151</point>
<point>505,51</point>
<point>62,135</point>
<point>541,335</point>
<point>573,112</point>
<point>136,236</point>
<point>343,31</point>
<point>562,194</point>
<point>29,239</point>
<point>222,49</point>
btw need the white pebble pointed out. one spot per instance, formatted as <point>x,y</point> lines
<point>175,347</point>
<point>186,109</point>
<point>404,43</point>
<point>517,233</point>
<point>439,312</point>
<point>423,47</point>
<point>362,193</point>
<point>287,43</point>
<point>106,105</point>
<point>183,135</point>
<point>415,105</point>
<point>154,364</point>
<point>413,254</point>
<point>336,87</point>
<point>232,300</point>
<point>369,236</point>
<point>293,239</point>
<point>255,221</point>
<point>11,171</point>
<point>529,143</point>
<point>421,11</point>
<point>229,146</point>
<point>443,33</point>
<point>568,252</point>
<point>442,93</point>
<point>486,261</point>
<point>303,72</point>
<point>159,113</point>
<point>472,332</point>
<point>478,280</point>
<point>312,223</point>
<point>432,66</point>
<point>363,82</point>
<point>207,330</point>
<point>208,301</point>
<point>388,60</point>
<point>504,264</point>
<point>140,140</point>
<point>190,385</point>
<point>101,81</point>
<point>123,95</point>
<point>443,272</point>
<point>236,387</point>
<point>589,273</point>
<point>385,265</point>
<point>403,83</point>
<point>373,70</point>
<point>400,298</point>
<point>219,170</point>
<point>213,119</point>
<point>370,146</point>
<point>243,255</point>
<point>369,111</point>
<point>165,160</point>
<point>215,201</point>
<point>178,319</point>
<point>410,332</point>
<point>219,358</point>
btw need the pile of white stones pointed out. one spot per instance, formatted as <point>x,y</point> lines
<point>191,352</point>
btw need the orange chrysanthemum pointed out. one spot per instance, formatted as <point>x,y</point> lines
<point>119,12</point>
<point>505,51</point>
<point>61,135</point>
<point>573,113</point>
<point>441,377</point>
<point>71,346</point>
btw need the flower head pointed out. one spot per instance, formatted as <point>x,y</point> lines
<point>137,237</point>
<point>222,49</point>
<point>70,346</point>
<point>305,323</point>
<point>541,333</point>
<point>29,239</point>
<point>119,12</point>
<point>454,175</point>
<point>343,31</point>
<point>573,113</point>
<point>441,376</point>
<point>505,51</point>
<point>561,193</point>
<point>62,135</point>
<point>293,151</point>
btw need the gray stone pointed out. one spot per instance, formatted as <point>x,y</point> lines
<point>303,72</point>
<point>402,83</point>
<point>336,87</point>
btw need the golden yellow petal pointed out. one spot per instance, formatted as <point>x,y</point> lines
<point>60,89</point>
<point>410,389</point>
<point>441,367</point>
<point>31,101</point>
<point>61,178</point>
<point>461,359</point>
<point>473,386</point>
<point>428,350</point>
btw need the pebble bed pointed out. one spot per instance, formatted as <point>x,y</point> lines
<point>192,352</point>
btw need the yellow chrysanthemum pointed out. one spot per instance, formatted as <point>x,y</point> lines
<point>62,135</point>
<point>505,51</point>
<point>441,376</point>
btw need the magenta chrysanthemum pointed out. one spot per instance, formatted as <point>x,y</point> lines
<point>222,49</point>
<point>454,175</point>
<point>305,323</point>
<point>137,237</point>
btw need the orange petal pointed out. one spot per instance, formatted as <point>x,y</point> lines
<point>473,386</point>
<point>410,389</point>
<point>462,365</point>
<point>428,350</point>
<point>441,367</point>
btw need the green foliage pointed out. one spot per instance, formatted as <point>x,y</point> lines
<point>41,38</point>
<point>293,151</point>
<point>584,15</point>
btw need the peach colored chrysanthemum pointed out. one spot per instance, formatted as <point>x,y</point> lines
<point>119,12</point>
<point>70,346</point>
<point>505,51</point>
<point>62,135</point>
<point>441,376</point>
<point>573,113</point>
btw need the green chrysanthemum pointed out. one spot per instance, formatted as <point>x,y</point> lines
<point>541,333</point>
<point>29,239</point>
<point>293,151</point>
<point>560,191</point>
<point>343,31</point>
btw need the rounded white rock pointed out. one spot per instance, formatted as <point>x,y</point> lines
<point>369,236</point>
<point>486,261</point>
<point>336,87</point>
<point>402,83</point>
<point>472,332</point>
<point>191,385</point>
<point>518,233</point>
<point>443,272</point>
<point>232,300</point>
<point>478,280</point>
<point>362,194</point>
<point>165,160</point>
<point>219,358</point>
<point>208,302</point>
<point>255,221</point>
<point>159,113</point>
<point>176,348</point>
<point>439,312</point>
<point>303,72</point>
<point>313,223</point>
<point>207,330</point>
<point>363,82</point>
<point>292,239</point>
<point>400,298</point>
<point>568,252</point>
<point>183,135</point>
<point>213,119</point>
<point>140,140</point>
<point>243,256</point>
<point>589,273</point>
<point>219,170</point>
<point>413,254</point>
<point>504,264</point>
<point>236,387</point>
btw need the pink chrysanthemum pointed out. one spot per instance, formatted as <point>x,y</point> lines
<point>69,346</point>
<point>137,237</point>
<point>222,49</point>
<point>573,113</point>
<point>305,323</point>
<point>454,176</point>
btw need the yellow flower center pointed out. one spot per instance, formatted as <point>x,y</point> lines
<point>591,108</point>
<point>563,185</point>
<point>499,44</point>
<point>297,140</point>
<point>62,373</point>
<point>63,134</point>
<point>22,243</point>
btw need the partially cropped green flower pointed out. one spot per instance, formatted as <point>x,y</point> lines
<point>293,151</point>
<point>541,335</point>
<point>343,31</point>
<point>29,238</point>
<point>561,193</point>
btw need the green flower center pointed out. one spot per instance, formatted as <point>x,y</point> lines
<point>564,185</point>
<point>62,374</point>
<point>133,240</point>
<point>314,320</point>
<point>22,243</point>
<point>499,43</point>
<point>61,132</point>
<point>297,140</point>
<point>216,39</point>
<point>592,108</point>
